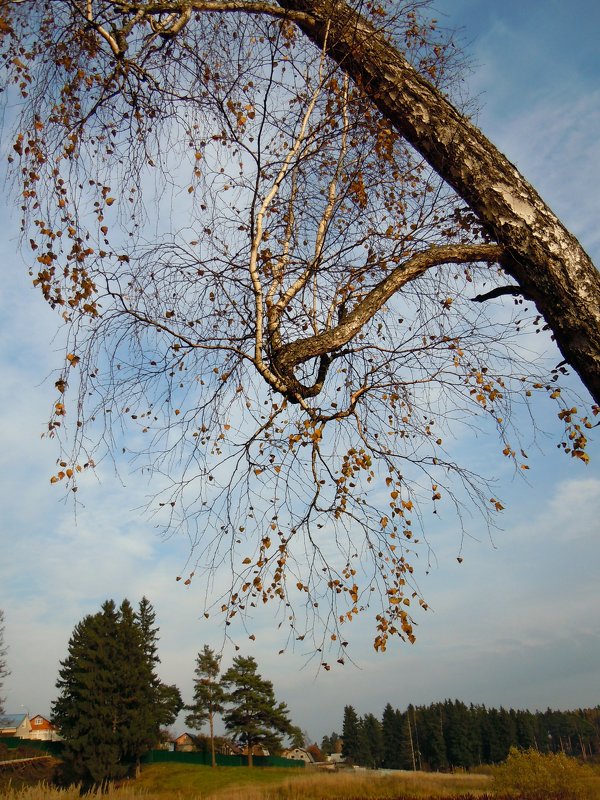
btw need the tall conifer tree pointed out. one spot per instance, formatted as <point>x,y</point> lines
<point>254,716</point>
<point>351,735</point>
<point>107,709</point>
<point>86,711</point>
<point>209,695</point>
<point>168,702</point>
<point>371,741</point>
<point>145,617</point>
<point>391,727</point>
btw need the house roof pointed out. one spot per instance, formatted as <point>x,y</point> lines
<point>12,720</point>
<point>41,723</point>
<point>289,752</point>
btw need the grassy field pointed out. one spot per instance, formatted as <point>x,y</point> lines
<point>183,782</point>
<point>187,782</point>
<point>281,784</point>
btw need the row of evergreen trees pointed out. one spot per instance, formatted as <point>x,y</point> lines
<point>451,734</point>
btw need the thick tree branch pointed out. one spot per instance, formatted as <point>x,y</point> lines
<point>182,8</point>
<point>501,291</point>
<point>291,355</point>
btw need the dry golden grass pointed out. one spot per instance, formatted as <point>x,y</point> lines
<point>177,782</point>
<point>363,785</point>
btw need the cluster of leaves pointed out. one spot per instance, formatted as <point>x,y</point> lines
<point>264,282</point>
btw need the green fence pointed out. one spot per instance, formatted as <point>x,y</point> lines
<point>204,758</point>
<point>162,756</point>
<point>52,748</point>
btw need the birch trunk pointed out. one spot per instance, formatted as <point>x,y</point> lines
<point>545,260</point>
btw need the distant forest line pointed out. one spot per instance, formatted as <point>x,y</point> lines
<point>451,734</point>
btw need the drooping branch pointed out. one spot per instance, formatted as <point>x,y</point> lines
<point>286,358</point>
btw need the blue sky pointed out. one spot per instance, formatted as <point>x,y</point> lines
<point>515,624</point>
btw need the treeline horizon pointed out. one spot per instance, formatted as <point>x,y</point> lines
<point>448,734</point>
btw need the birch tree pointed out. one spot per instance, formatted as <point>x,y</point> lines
<point>284,261</point>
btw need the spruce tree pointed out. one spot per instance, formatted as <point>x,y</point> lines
<point>107,709</point>
<point>145,617</point>
<point>86,711</point>
<point>254,716</point>
<point>372,741</point>
<point>209,695</point>
<point>167,698</point>
<point>351,745</point>
<point>138,685</point>
<point>392,738</point>
<point>432,738</point>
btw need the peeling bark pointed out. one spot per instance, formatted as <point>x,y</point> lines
<point>546,260</point>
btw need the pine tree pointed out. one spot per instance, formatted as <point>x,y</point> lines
<point>168,704</point>
<point>408,756</point>
<point>209,695</point>
<point>254,717</point>
<point>297,737</point>
<point>525,724</point>
<point>4,671</point>
<point>107,709</point>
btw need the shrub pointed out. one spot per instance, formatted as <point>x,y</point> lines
<point>536,775</point>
